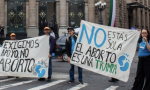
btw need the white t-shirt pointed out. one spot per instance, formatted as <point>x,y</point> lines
<point>52,34</point>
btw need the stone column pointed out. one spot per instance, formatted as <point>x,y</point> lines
<point>63,16</point>
<point>37,14</point>
<point>5,18</point>
<point>86,11</point>
<point>148,18</point>
<point>91,10</point>
<point>27,16</point>
<point>2,14</point>
<point>2,10</point>
<point>143,18</point>
<point>67,14</point>
<point>57,12</point>
<point>32,28</point>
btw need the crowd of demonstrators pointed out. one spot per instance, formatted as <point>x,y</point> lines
<point>1,31</point>
<point>142,79</point>
<point>51,44</point>
<point>70,45</point>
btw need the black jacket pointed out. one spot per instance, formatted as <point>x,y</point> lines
<point>69,44</point>
<point>45,24</point>
<point>52,44</point>
<point>41,25</point>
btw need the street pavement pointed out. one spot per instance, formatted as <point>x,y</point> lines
<point>92,81</point>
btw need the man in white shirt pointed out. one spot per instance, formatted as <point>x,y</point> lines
<point>52,32</point>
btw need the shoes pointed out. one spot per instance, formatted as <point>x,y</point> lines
<point>10,77</point>
<point>70,81</point>
<point>48,79</point>
<point>41,79</point>
<point>113,80</point>
<point>81,82</point>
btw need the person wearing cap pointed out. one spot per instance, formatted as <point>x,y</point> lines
<point>12,36</point>
<point>70,45</point>
<point>52,45</point>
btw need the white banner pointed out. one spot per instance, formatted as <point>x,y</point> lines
<point>105,50</point>
<point>25,58</point>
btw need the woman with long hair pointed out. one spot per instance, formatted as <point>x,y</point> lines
<point>142,79</point>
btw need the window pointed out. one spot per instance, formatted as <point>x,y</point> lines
<point>76,12</point>
<point>16,16</point>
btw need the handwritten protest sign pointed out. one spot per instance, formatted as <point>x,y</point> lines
<point>25,58</point>
<point>105,50</point>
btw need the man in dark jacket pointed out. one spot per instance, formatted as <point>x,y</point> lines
<point>52,45</point>
<point>56,30</point>
<point>70,45</point>
<point>41,26</point>
<point>45,23</point>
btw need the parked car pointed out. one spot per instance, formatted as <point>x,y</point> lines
<point>60,45</point>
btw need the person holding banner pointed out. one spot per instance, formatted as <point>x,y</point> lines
<point>12,37</point>
<point>142,79</point>
<point>52,45</point>
<point>70,44</point>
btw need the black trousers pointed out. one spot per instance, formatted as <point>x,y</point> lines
<point>142,79</point>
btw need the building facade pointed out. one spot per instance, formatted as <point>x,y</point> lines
<point>24,16</point>
<point>129,13</point>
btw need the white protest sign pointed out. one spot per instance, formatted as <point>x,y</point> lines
<point>25,58</point>
<point>105,50</point>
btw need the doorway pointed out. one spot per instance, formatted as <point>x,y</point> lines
<point>46,12</point>
<point>16,16</point>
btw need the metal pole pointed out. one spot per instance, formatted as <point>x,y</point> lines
<point>100,20</point>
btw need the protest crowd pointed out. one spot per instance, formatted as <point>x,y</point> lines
<point>142,79</point>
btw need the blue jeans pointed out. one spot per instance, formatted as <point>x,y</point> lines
<point>50,67</point>
<point>72,73</point>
